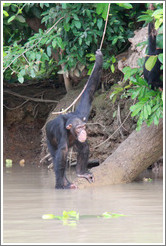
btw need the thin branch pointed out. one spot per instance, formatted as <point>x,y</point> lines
<point>25,59</point>
<point>73,103</point>
<point>29,98</point>
<point>113,132</point>
<point>96,123</point>
<point>105,26</point>
<point>44,157</point>
<point>19,106</point>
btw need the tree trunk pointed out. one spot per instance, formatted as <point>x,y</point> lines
<point>68,84</point>
<point>135,154</point>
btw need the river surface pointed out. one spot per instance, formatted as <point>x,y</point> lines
<point>28,194</point>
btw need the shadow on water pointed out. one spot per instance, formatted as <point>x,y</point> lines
<point>29,193</point>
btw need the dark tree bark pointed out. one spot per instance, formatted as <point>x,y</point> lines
<point>139,151</point>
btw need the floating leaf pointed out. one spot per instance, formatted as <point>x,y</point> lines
<point>109,215</point>
<point>48,216</point>
<point>8,163</point>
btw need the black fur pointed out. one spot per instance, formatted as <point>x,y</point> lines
<point>153,77</point>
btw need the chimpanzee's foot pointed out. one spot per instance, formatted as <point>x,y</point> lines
<point>89,176</point>
<point>68,186</point>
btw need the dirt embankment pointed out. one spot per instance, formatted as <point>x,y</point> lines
<point>24,117</point>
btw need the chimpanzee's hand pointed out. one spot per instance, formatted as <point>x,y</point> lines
<point>99,58</point>
<point>89,176</point>
<point>99,53</point>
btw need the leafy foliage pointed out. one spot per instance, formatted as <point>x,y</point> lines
<point>149,107</point>
<point>77,35</point>
<point>149,103</point>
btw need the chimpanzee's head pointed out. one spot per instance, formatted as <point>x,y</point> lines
<point>77,128</point>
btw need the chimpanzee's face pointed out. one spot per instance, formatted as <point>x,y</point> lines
<point>78,129</point>
<point>81,133</point>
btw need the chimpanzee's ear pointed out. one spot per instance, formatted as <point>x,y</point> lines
<point>69,126</point>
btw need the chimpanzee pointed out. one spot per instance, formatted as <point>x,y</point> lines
<point>69,130</point>
<point>153,77</point>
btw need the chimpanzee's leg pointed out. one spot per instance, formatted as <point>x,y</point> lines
<point>82,161</point>
<point>59,160</point>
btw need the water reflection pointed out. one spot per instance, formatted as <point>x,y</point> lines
<point>29,193</point>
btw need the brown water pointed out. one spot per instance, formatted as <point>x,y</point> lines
<point>29,193</point>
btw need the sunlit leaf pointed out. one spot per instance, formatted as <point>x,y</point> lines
<point>125,5</point>
<point>112,68</point>
<point>5,13</point>
<point>11,18</point>
<point>150,62</point>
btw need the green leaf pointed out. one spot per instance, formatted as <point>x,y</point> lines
<point>99,8</point>
<point>64,5</point>
<point>157,12</point>
<point>149,109</point>
<point>112,68</point>
<point>54,43</point>
<point>38,56</point>
<point>105,10</point>
<point>60,43</point>
<point>125,5</point>
<point>22,72</point>
<point>32,73</point>
<point>128,72</point>
<point>11,18</point>
<point>49,51</point>
<point>146,18</point>
<point>66,27</point>
<point>80,41</point>
<point>77,24</point>
<point>20,78</point>
<point>150,62</point>
<point>160,57</point>
<point>135,93</point>
<point>99,23</point>
<point>5,13</point>
<point>20,18</point>
<point>113,59</point>
<point>145,112</point>
<point>156,120</point>
<point>158,23</point>
<point>32,56</point>
<point>75,17</point>
<point>135,112</point>
<point>138,128</point>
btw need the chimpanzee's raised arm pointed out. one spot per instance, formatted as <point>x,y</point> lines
<point>153,76</point>
<point>83,108</point>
